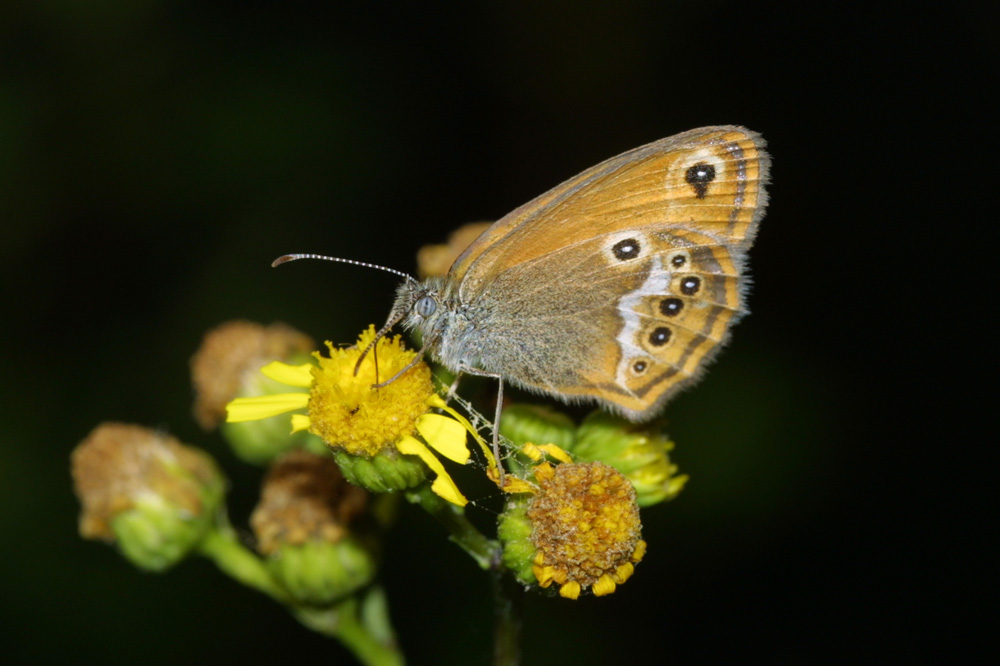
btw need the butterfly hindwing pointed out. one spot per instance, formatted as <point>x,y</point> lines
<point>641,312</point>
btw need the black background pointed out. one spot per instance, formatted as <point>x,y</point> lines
<point>155,156</point>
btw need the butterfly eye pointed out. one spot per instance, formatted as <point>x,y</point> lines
<point>426,306</point>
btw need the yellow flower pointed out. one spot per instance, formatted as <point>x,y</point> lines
<point>577,526</point>
<point>372,426</point>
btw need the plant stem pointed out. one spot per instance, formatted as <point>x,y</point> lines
<point>363,628</point>
<point>508,595</point>
<point>486,552</point>
<point>240,563</point>
<point>508,605</point>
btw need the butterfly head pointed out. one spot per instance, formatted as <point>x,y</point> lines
<point>420,306</point>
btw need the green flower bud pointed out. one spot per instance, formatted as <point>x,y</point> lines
<point>147,492</point>
<point>227,366</point>
<point>260,442</point>
<point>639,452</point>
<point>537,424</point>
<point>320,573</point>
<point>308,528</point>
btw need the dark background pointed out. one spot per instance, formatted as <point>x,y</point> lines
<point>156,155</point>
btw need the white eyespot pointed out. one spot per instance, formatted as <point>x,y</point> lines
<point>425,306</point>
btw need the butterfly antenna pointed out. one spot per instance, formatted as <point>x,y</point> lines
<point>284,259</point>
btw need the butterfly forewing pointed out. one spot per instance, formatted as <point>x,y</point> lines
<point>711,178</point>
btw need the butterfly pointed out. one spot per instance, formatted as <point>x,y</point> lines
<point>617,286</point>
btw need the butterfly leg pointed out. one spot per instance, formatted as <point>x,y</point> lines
<point>416,359</point>
<point>496,417</point>
<point>496,429</point>
<point>453,389</point>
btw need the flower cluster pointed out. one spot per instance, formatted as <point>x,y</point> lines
<point>347,433</point>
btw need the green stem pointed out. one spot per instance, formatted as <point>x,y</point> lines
<point>508,604</point>
<point>240,563</point>
<point>485,552</point>
<point>363,628</point>
<point>507,593</point>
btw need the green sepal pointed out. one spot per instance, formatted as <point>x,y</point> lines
<point>387,472</point>
<point>155,535</point>
<point>514,532</point>
<point>320,573</point>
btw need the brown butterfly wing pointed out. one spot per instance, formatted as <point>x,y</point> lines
<point>684,289</point>
<point>619,284</point>
<point>643,186</point>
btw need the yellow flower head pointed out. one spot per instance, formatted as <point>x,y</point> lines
<point>369,424</point>
<point>578,527</point>
<point>344,409</point>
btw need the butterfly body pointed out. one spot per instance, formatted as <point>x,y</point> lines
<point>617,286</point>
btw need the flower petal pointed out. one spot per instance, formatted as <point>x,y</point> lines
<point>293,375</point>
<point>264,406</point>
<point>445,435</point>
<point>555,452</point>
<point>300,422</point>
<point>624,572</point>
<point>543,574</point>
<point>437,401</point>
<point>570,590</point>
<point>514,485</point>
<point>605,585</point>
<point>443,484</point>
